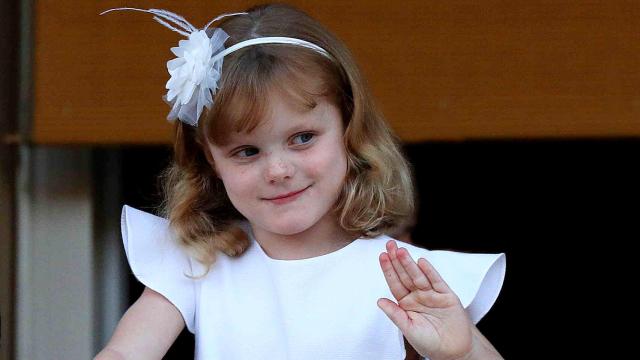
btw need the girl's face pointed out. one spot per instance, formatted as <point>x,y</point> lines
<point>286,175</point>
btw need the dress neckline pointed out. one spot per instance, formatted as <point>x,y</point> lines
<point>311,260</point>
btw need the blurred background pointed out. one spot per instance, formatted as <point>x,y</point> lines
<point>521,119</point>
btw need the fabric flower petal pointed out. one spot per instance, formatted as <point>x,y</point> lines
<point>194,76</point>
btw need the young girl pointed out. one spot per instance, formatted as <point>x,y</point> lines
<point>284,181</point>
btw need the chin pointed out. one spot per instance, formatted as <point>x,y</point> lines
<point>289,226</point>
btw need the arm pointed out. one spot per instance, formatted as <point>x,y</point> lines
<point>146,331</point>
<point>481,348</point>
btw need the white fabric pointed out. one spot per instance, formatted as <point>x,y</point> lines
<point>156,261</point>
<point>255,307</point>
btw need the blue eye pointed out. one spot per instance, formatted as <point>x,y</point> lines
<point>304,137</point>
<point>248,152</point>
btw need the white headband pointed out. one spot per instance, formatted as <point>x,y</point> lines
<point>196,70</point>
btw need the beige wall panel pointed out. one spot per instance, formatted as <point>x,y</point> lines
<point>440,70</point>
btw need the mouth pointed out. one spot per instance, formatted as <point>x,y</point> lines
<point>283,198</point>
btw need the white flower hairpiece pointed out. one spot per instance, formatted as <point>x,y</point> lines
<point>194,74</point>
<point>198,66</point>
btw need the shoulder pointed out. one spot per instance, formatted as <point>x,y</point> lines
<point>157,261</point>
<point>148,236</point>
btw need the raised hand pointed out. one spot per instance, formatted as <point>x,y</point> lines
<point>427,312</point>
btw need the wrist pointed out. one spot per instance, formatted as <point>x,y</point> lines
<point>472,354</point>
<point>481,348</point>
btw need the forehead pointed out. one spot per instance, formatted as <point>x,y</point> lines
<point>284,114</point>
<point>289,100</point>
<point>250,79</point>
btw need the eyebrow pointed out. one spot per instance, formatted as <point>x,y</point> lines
<point>303,126</point>
<point>237,139</point>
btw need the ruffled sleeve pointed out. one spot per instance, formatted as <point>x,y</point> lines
<point>157,261</point>
<point>475,278</point>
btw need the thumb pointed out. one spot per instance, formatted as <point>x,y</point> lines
<point>397,315</point>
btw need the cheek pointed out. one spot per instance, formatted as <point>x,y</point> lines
<point>327,162</point>
<point>238,182</point>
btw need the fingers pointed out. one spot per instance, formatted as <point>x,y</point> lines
<point>434,277</point>
<point>404,276</point>
<point>408,271</point>
<point>398,267</point>
<point>395,313</point>
<point>391,276</point>
<point>418,277</point>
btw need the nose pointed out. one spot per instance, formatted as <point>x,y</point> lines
<point>278,169</point>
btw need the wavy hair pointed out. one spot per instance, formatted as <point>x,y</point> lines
<point>378,189</point>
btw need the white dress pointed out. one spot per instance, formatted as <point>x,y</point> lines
<point>255,307</point>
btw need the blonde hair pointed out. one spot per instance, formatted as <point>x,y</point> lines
<point>378,189</point>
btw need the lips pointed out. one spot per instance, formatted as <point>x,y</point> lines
<point>287,195</point>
